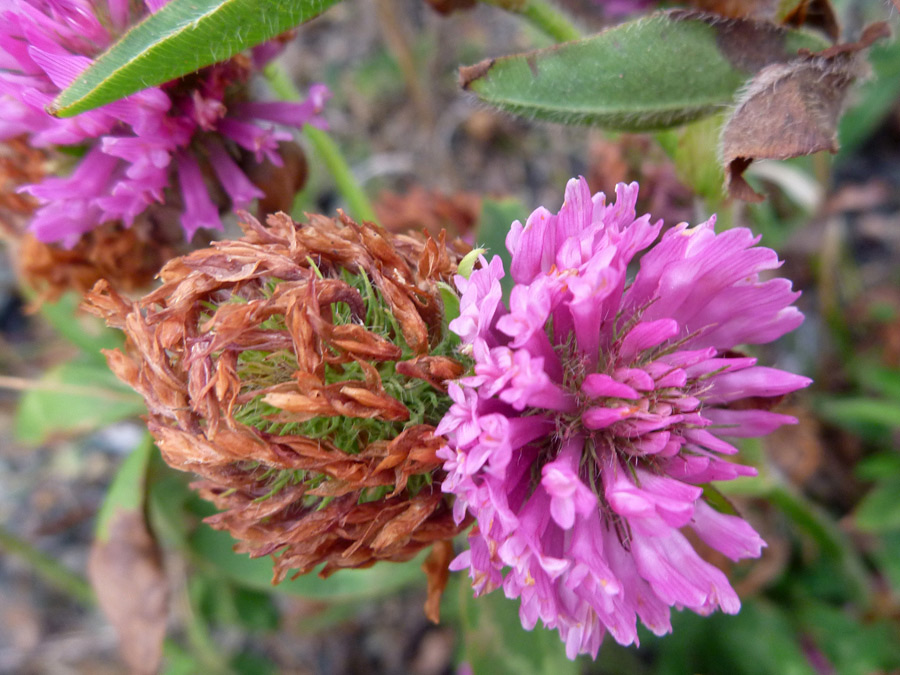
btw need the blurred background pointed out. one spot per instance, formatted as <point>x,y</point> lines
<point>823,599</point>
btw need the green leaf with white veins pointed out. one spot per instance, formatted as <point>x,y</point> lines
<point>180,38</point>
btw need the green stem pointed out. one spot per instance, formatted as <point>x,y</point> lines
<point>357,202</point>
<point>202,645</point>
<point>543,16</point>
<point>49,569</point>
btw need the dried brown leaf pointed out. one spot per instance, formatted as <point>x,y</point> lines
<point>127,575</point>
<point>437,569</point>
<point>792,109</point>
<point>436,370</point>
<point>430,210</point>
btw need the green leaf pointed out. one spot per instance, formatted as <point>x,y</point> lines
<point>221,603</point>
<point>495,642</point>
<point>248,663</point>
<point>451,302</point>
<point>657,72</point>
<point>862,414</point>
<point>694,150</point>
<point>178,661</point>
<point>467,264</point>
<point>887,557</point>
<point>180,38</point>
<point>128,487</point>
<point>853,646</point>
<point>759,639</point>
<point>875,376</point>
<point>493,225</point>
<point>76,397</point>
<point>873,101</point>
<point>879,510</point>
<point>84,331</point>
<point>880,465</point>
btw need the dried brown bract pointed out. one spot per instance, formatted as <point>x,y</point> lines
<point>300,372</point>
<point>19,164</point>
<point>431,210</point>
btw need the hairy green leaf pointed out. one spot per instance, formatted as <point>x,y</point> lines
<point>657,72</point>
<point>182,37</point>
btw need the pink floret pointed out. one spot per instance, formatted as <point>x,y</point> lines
<point>599,407</point>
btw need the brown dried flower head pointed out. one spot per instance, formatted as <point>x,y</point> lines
<point>300,372</point>
<point>129,258</point>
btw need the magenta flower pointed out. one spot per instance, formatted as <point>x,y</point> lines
<point>135,150</point>
<point>598,409</point>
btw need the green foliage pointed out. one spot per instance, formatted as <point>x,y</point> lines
<point>861,414</point>
<point>249,663</point>
<point>82,330</point>
<point>493,640</point>
<point>81,395</point>
<point>226,604</point>
<point>178,661</point>
<point>879,510</point>
<point>657,72</point>
<point>758,641</point>
<point>493,225</point>
<point>875,98</point>
<point>180,38</point>
<point>128,489</point>
<point>74,398</point>
<point>215,549</point>
<point>694,150</point>
<point>467,264</point>
<point>853,645</point>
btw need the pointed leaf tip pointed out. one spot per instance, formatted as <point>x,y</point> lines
<point>181,37</point>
